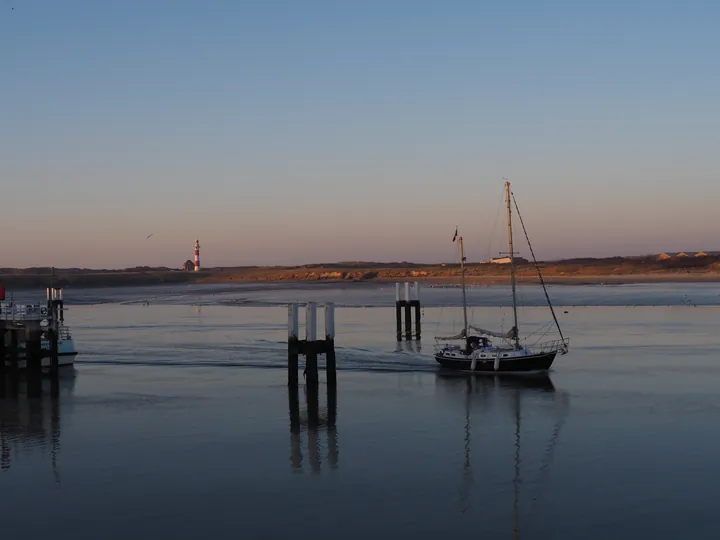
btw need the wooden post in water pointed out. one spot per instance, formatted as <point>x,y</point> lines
<point>330,363</point>
<point>416,303</point>
<point>293,345</point>
<point>311,365</point>
<point>408,313</point>
<point>398,312</point>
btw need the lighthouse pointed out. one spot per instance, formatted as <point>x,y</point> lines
<point>197,255</point>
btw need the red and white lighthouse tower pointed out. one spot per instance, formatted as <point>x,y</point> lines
<point>197,255</point>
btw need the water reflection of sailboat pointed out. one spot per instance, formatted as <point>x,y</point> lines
<point>313,420</point>
<point>487,392</point>
<point>31,423</point>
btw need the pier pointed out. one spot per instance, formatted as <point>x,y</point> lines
<point>29,335</point>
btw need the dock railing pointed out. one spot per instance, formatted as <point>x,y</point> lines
<point>10,311</point>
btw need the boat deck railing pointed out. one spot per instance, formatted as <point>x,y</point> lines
<point>554,345</point>
<point>10,311</point>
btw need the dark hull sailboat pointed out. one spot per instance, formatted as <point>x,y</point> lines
<point>521,365</point>
<point>478,354</point>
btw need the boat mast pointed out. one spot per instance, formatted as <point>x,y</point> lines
<point>512,263</point>
<point>462,274</point>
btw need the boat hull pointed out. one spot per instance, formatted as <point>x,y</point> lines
<point>66,355</point>
<point>518,365</point>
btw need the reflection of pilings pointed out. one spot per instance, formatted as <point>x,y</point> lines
<point>4,448</point>
<point>295,442</point>
<point>315,421</point>
<point>333,452</point>
<point>29,418</point>
<point>332,440</point>
<point>313,403</point>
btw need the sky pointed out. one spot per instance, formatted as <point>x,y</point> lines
<point>288,132</point>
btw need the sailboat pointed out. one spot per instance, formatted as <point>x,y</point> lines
<point>477,353</point>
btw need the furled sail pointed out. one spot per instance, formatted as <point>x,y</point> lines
<point>461,335</point>
<point>510,334</point>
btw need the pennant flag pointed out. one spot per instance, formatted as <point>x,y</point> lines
<point>455,235</point>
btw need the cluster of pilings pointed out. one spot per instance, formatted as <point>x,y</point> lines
<point>29,335</point>
<point>409,304</point>
<point>310,348</point>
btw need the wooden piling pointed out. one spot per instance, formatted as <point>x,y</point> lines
<point>417,321</point>
<point>398,312</point>
<point>330,362</point>
<point>293,345</point>
<point>418,313</point>
<point>408,305</point>
<point>408,321</point>
<point>311,349</point>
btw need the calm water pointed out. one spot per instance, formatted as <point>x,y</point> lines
<point>177,424</point>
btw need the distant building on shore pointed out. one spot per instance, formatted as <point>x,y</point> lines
<point>506,260</point>
<point>679,254</point>
<point>188,266</point>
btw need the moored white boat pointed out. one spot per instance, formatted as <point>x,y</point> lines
<point>21,314</point>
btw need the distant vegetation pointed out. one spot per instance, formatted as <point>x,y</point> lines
<point>586,269</point>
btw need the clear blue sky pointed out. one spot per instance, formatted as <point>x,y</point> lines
<point>311,131</point>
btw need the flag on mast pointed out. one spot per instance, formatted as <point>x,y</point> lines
<point>455,235</point>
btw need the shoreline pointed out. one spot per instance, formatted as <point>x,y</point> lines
<point>141,279</point>
<point>627,279</point>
